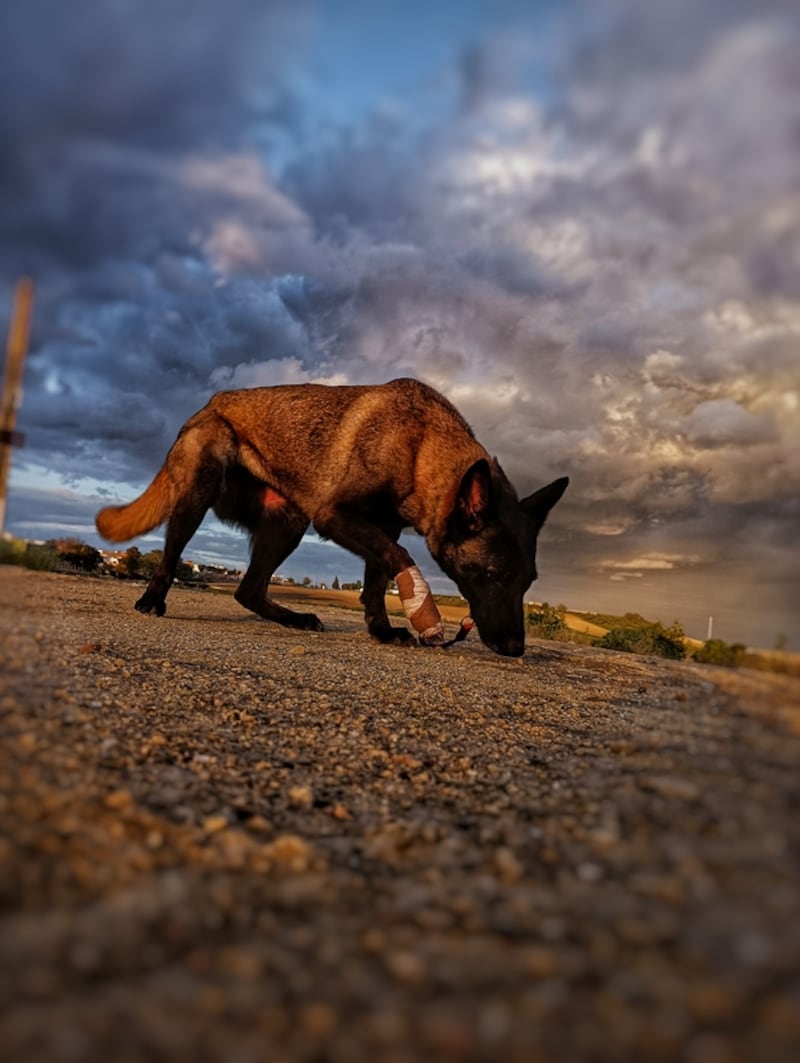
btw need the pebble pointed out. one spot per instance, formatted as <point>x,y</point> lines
<point>670,786</point>
<point>507,866</point>
<point>213,824</point>
<point>291,853</point>
<point>406,966</point>
<point>301,797</point>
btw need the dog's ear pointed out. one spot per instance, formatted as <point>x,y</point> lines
<point>539,504</point>
<point>474,499</point>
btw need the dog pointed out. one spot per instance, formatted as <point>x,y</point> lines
<point>359,463</point>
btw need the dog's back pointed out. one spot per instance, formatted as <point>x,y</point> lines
<point>315,442</point>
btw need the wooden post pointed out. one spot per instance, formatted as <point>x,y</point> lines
<point>16,349</point>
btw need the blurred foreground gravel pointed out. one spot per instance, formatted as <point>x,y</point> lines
<point>223,840</point>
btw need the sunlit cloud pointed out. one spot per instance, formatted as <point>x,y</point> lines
<point>651,563</point>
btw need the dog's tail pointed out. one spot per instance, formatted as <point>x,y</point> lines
<point>120,523</point>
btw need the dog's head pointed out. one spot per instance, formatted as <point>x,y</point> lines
<point>490,551</point>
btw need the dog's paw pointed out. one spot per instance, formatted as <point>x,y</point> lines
<point>149,603</point>
<point>392,636</point>
<point>310,622</point>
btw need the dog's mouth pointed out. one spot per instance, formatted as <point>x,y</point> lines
<point>512,647</point>
<point>510,651</point>
<point>499,639</point>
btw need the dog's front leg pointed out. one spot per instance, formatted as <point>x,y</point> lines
<point>350,529</point>
<point>373,598</point>
<point>384,559</point>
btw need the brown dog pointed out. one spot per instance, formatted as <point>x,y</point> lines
<point>360,464</point>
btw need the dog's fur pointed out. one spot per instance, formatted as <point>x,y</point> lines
<point>360,464</point>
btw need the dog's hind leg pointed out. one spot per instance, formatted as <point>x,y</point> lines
<point>184,521</point>
<point>277,534</point>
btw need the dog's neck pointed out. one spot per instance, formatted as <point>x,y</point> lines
<point>448,477</point>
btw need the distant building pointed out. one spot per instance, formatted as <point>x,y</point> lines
<point>112,557</point>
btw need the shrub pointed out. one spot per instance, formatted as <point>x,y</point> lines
<point>12,552</point>
<point>715,651</point>
<point>29,555</point>
<point>547,622</point>
<point>650,638</point>
<point>38,557</point>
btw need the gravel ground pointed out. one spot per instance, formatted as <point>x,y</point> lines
<point>223,840</point>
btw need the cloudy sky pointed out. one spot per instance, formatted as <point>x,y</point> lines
<point>578,219</point>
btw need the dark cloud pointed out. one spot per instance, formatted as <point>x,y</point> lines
<point>584,230</point>
<point>107,102</point>
<point>158,73</point>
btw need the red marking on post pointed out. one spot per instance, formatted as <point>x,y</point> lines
<point>271,499</point>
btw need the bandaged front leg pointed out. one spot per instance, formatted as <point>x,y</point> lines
<point>419,606</point>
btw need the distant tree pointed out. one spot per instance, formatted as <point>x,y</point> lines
<point>131,562</point>
<point>780,643</point>
<point>306,581</point>
<point>335,584</point>
<point>184,572</point>
<point>149,562</point>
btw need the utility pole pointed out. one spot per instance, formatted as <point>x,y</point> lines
<point>16,349</point>
<point>710,628</point>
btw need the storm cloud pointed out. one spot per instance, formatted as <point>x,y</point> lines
<point>581,223</point>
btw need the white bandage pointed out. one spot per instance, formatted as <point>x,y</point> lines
<point>419,606</point>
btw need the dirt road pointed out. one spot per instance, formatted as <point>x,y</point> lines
<point>349,600</point>
<point>222,840</point>
<point>311,598</point>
